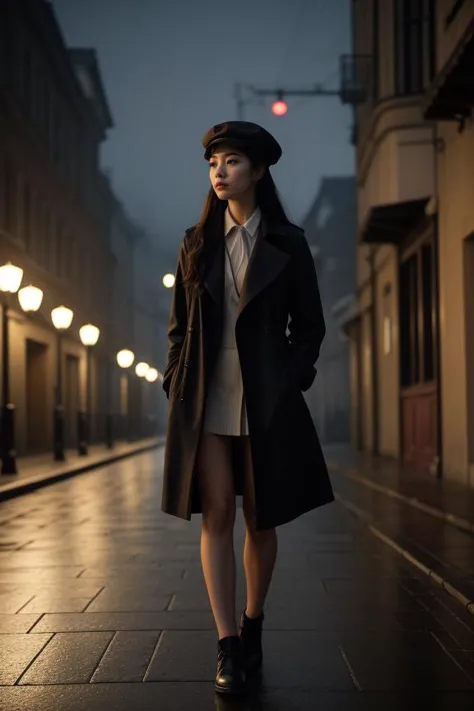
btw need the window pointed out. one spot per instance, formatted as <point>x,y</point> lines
<point>427,309</point>
<point>409,339</point>
<point>60,244</point>
<point>324,213</point>
<point>417,317</point>
<point>11,199</point>
<point>27,209</point>
<point>414,45</point>
<point>387,319</point>
<point>375,50</point>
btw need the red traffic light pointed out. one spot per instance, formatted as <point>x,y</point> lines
<point>279,107</point>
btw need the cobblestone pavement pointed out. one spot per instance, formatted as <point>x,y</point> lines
<point>103,607</point>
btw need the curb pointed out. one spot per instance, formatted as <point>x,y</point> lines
<point>429,572</point>
<point>17,488</point>
<point>446,516</point>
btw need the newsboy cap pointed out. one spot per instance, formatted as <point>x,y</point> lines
<point>246,136</point>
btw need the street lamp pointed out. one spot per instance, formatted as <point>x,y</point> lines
<point>89,335</point>
<point>151,399</point>
<point>30,298</point>
<point>151,375</point>
<point>168,281</point>
<point>10,280</point>
<point>61,317</point>
<point>125,359</point>
<point>141,369</point>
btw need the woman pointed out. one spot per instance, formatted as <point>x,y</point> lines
<point>238,422</point>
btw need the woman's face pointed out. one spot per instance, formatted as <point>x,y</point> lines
<point>231,174</point>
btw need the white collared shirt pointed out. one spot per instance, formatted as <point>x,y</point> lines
<point>240,241</point>
<point>251,226</point>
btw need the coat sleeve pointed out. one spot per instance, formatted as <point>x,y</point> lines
<point>178,321</point>
<point>307,327</point>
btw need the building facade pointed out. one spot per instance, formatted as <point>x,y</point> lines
<point>53,214</point>
<point>330,226</point>
<point>62,224</point>
<point>411,342</point>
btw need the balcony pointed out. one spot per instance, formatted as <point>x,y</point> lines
<point>355,75</point>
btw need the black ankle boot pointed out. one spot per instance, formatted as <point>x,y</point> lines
<point>230,676</point>
<point>251,636</point>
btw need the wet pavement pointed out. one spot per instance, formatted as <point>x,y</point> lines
<point>447,499</point>
<point>102,606</point>
<point>409,510</point>
<point>34,471</point>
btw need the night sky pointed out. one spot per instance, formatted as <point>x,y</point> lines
<point>169,69</point>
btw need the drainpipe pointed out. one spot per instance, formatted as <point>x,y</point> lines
<point>374,351</point>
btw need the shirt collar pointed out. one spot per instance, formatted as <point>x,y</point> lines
<point>251,226</point>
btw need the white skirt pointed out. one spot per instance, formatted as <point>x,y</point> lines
<point>225,407</point>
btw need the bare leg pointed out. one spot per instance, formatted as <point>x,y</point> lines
<point>218,516</point>
<point>260,548</point>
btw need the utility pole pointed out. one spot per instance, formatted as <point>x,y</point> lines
<point>239,102</point>
<point>281,93</point>
<point>354,84</point>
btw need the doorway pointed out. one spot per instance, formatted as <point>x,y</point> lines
<point>37,416</point>
<point>419,355</point>
<point>367,416</point>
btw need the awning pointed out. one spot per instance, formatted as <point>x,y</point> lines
<point>351,324</point>
<point>451,95</point>
<point>389,223</point>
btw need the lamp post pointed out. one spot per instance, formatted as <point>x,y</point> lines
<point>125,359</point>
<point>61,317</point>
<point>109,420</point>
<point>10,280</point>
<point>89,335</point>
<point>141,369</point>
<point>152,377</point>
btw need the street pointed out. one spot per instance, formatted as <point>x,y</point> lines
<point>103,606</point>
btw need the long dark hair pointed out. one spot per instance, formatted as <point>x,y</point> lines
<point>202,240</point>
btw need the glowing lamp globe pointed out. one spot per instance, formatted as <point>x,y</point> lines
<point>151,375</point>
<point>141,369</point>
<point>280,107</point>
<point>125,358</point>
<point>89,334</point>
<point>10,278</point>
<point>62,317</point>
<point>30,298</point>
<point>168,281</point>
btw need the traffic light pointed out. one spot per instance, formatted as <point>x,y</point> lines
<point>279,107</point>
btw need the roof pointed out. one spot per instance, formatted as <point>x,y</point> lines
<point>86,64</point>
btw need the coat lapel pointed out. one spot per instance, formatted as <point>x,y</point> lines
<point>214,275</point>
<point>265,264</point>
<point>214,278</point>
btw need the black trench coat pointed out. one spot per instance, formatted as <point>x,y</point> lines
<point>290,474</point>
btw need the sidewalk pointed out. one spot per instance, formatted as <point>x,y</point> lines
<point>37,471</point>
<point>428,521</point>
<point>103,606</point>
